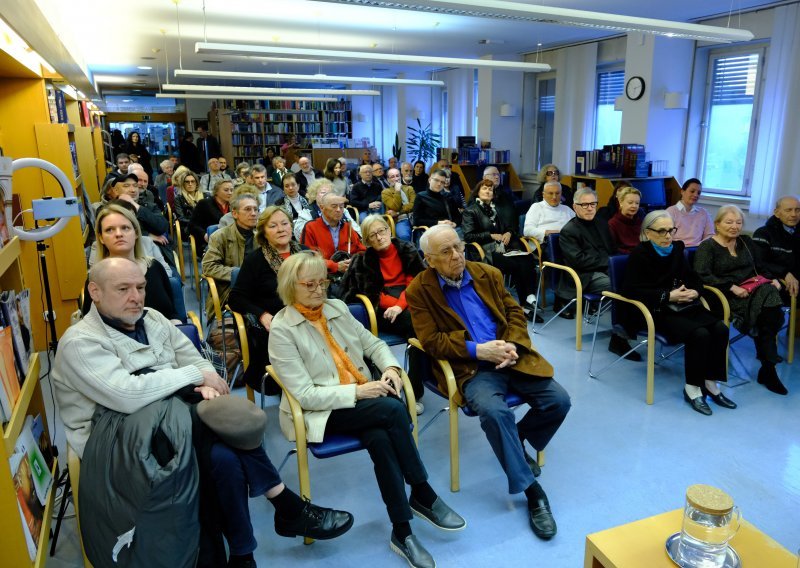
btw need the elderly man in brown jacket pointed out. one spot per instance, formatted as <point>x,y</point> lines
<point>463,313</point>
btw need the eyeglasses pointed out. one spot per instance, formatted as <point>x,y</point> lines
<point>590,205</point>
<point>188,181</point>
<point>664,232</point>
<point>379,233</point>
<point>312,285</point>
<point>458,247</point>
<point>552,172</point>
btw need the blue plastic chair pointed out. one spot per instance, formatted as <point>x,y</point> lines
<point>423,364</point>
<point>556,263</point>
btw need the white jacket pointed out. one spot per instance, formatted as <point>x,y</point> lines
<point>543,217</point>
<point>95,365</point>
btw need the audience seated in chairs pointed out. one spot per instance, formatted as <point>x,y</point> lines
<point>228,247</point>
<point>116,373</point>
<point>494,225</point>
<point>291,201</point>
<point>549,173</point>
<point>317,234</point>
<point>319,351</point>
<point>244,189</point>
<point>186,199</point>
<point>626,224</point>
<point>398,199</point>
<point>432,206</point>
<point>490,351</point>
<point>209,211</point>
<point>255,294</point>
<point>694,224</point>
<point>419,179</point>
<point>586,245</point>
<point>316,191</point>
<point>548,216</point>
<point>242,170</point>
<point>366,194</point>
<point>726,261</point>
<point>659,276</point>
<point>119,236</point>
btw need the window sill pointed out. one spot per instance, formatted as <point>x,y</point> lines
<point>741,202</point>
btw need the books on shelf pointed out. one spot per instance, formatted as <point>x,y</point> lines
<point>32,481</point>
<point>9,393</point>
<point>10,307</point>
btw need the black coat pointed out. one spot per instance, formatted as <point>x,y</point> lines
<point>364,275</point>
<point>302,182</point>
<point>431,207</point>
<point>780,250</point>
<point>256,288</point>
<point>478,226</point>
<point>361,194</point>
<point>586,245</point>
<point>205,214</point>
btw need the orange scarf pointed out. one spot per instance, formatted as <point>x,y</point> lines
<point>348,373</point>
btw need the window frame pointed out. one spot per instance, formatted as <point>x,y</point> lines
<point>712,55</point>
<point>605,69</point>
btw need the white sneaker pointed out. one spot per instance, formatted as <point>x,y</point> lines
<point>420,408</point>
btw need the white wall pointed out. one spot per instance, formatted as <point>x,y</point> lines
<point>197,109</point>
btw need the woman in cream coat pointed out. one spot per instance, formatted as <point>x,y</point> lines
<point>318,349</point>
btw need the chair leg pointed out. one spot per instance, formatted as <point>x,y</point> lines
<point>66,495</point>
<point>594,341</point>
<point>540,458</point>
<point>454,465</point>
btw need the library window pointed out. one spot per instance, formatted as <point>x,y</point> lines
<point>608,122</point>
<point>545,120</point>
<point>728,147</point>
<point>444,131</point>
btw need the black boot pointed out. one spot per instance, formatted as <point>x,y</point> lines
<point>768,376</point>
<point>620,346</point>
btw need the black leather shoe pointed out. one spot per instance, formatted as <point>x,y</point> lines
<point>620,346</point>
<point>542,521</point>
<point>533,464</point>
<point>698,404</point>
<point>768,377</point>
<point>413,551</point>
<point>439,515</point>
<point>234,562</point>
<point>569,313</point>
<point>720,399</point>
<point>315,522</point>
<point>529,316</point>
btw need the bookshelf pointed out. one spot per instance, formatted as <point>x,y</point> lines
<point>29,403</point>
<point>248,128</point>
<point>604,187</point>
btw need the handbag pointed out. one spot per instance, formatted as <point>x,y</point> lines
<point>755,282</point>
<point>677,308</point>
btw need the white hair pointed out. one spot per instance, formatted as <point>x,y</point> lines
<point>424,240</point>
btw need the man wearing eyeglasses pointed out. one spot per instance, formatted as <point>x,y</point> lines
<point>463,313</point>
<point>332,234</point>
<point>432,207</point>
<point>366,194</point>
<point>586,244</point>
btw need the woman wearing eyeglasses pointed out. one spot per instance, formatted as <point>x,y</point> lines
<point>659,276</point>
<point>550,172</point>
<point>319,350</point>
<point>255,294</point>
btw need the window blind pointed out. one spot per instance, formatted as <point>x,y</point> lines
<point>734,80</point>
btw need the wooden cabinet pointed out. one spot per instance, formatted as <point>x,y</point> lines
<point>248,128</point>
<point>470,175</point>
<point>29,403</point>
<point>652,188</point>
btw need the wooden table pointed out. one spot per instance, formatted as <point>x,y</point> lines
<point>642,544</point>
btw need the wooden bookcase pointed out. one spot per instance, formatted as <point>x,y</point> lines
<point>248,128</point>
<point>471,174</point>
<point>29,403</point>
<point>604,187</point>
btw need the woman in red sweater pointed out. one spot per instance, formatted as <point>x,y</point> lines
<point>626,224</point>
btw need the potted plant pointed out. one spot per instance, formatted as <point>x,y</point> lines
<point>422,143</point>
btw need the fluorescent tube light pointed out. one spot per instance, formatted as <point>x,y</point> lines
<point>304,78</point>
<point>267,90</point>
<point>239,97</point>
<point>430,61</point>
<point>516,11</point>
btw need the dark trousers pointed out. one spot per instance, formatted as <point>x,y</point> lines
<point>549,404</point>
<point>239,475</point>
<point>706,341</point>
<point>768,324</point>
<point>522,270</point>
<point>383,426</point>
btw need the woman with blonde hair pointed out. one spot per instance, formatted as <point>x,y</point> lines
<point>626,224</point>
<point>119,236</point>
<point>187,196</point>
<point>319,350</point>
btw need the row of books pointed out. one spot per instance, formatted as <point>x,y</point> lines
<point>477,156</point>
<point>15,347</point>
<point>628,160</point>
<point>287,105</point>
<point>57,105</point>
<point>31,467</point>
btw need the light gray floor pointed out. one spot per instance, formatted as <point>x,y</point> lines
<point>615,460</point>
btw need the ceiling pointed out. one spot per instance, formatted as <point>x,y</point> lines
<point>113,40</point>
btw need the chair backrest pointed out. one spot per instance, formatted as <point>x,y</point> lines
<point>177,296</point>
<point>522,224</point>
<point>616,273</point>
<point>211,229</point>
<point>689,253</point>
<point>555,256</point>
<point>360,313</point>
<point>234,275</point>
<point>190,331</point>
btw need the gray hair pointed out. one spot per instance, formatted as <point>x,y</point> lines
<point>257,169</point>
<point>164,164</point>
<point>725,209</point>
<point>424,241</point>
<point>583,191</point>
<point>780,200</point>
<point>552,183</point>
<point>236,202</point>
<point>650,220</point>
<point>364,167</point>
<point>370,220</point>
<point>102,269</point>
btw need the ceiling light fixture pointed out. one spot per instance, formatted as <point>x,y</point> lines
<point>144,67</point>
<point>318,78</point>
<point>516,11</point>
<point>268,90</point>
<point>239,97</point>
<point>429,61</point>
